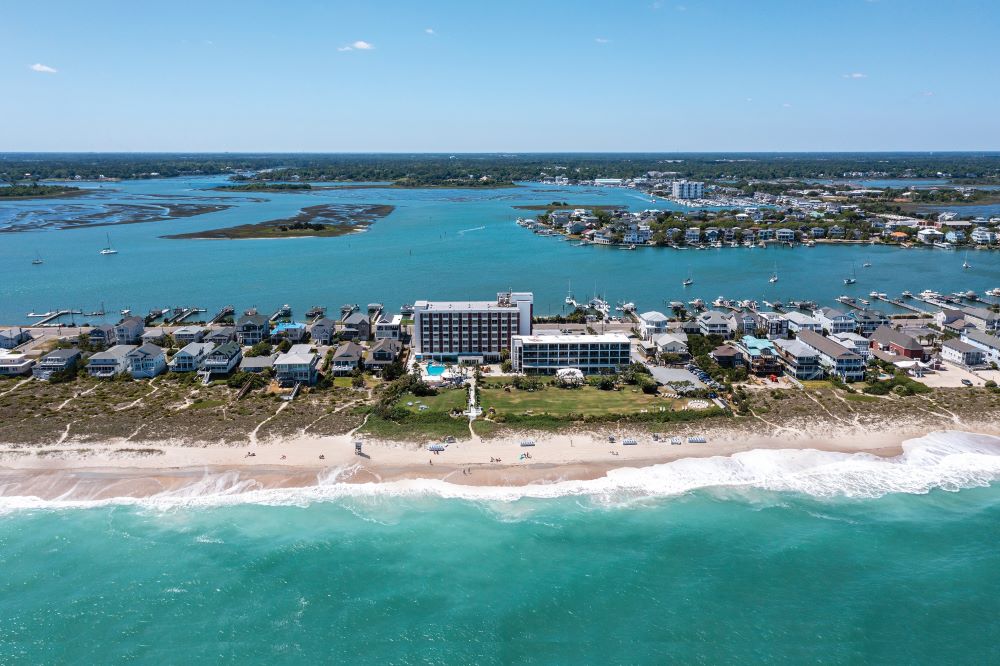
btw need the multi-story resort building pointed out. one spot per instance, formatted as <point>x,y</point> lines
<point>687,189</point>
<point>591,354</point>
<point>470,330</point>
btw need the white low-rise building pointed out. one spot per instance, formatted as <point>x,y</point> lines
<point>962,353</point>
<point>591,354</point>
<point>651,324</point>
<point>14,363</point>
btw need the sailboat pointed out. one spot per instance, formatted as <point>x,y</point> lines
<point>37,260</point>
<point>774,275</point>
<point>108,249</point>
<point>688,281</point>
<point>853,278</point>
<point>867,264</point>
<point>966,264</point>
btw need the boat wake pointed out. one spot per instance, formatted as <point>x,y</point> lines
<point>463,231</point>
<point>947,461</point>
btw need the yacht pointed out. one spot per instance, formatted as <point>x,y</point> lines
<point>37,260</point>
<point>965,264</point>
<point>853,279</point>
<point>108,249</point>
<point>687,282</point>
<point>774,275</point>
<point>907,293</point>
<point>993,292</point>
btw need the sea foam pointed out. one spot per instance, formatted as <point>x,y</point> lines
<point>949,460</point>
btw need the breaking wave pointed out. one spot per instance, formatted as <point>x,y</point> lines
<point>947,461</point>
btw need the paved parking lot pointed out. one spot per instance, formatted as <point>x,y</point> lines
<point>665,375</point>
<point>949,376</point>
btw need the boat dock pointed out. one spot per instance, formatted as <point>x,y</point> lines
<point>899,303</point>
<point>180,314</point>
<point>285,311</point>
<point>225,313</point>
<point>46,318</point>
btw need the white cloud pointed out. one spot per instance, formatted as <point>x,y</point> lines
<point>855,75</point>
<point>429,31</point>
<point>602,40</point>
<point>786,105</point>
<point>359,45</point>
<point>44,69</point>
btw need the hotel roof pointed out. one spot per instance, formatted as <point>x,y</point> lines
<point>577,339</point>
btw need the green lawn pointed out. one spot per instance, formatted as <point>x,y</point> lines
<point>585,400</point>
<point>445,401</point>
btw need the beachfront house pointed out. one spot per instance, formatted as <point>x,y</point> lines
<point>983,236</point>
<point>108,363</point>
<point>989,344</point>
<point>962,353</point>
<point>252,328</point>
<point>14,363</point>
<point>890,340</point>
<point>671,343</point>
<point>13,337</point>
<point>651,324</point>
<point>981,318</point>
<point>292,331</point>
<point>188,334</point>
<point>190,357</point>
<point>692,235</point>
<point>742,323</point>
<point>712,322</point>
<point>257,364</point>
<point>727,356</point>
<point>356,327</point>
<point>800,360</point>
<point>129,331</point>
<point>58,360</point>
<point>157,336</point>
<point>300,365</point>
<point>346,359</point>
<point>759,355</point>
<point>834,321</point>
<point>785,235</point>
<point>836,359</point>
<point>146,361</point>
<point>382,353</point>
<point>322,331</point>
<point>222,359</point>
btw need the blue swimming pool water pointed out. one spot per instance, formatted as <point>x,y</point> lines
<point>435,370</point>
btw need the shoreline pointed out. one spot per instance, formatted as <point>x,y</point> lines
<point>88,472</point>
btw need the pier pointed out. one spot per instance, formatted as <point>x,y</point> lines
<point>285,311</point>
<point>225,313</point>
<point>901,304</point>
<point>45,318</point>
<point>183,314</point>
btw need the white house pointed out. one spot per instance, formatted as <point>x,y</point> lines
<point>834,321</point>
<point>108,363</point>
<point>190,357</point>
<point>14,363</point>
<point>989,344</point>
<point>146,361</point>
<point>799,321</point>
<point>712,322</point>
<point>651,324</point>
<point>962,353</point>
<point>13,337</point>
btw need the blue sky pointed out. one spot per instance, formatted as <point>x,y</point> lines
<point>645,75</point>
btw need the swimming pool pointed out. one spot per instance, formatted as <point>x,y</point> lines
<point>435,370</point>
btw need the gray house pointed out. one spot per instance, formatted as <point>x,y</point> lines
<point>384,352</point>
<point>107,364</point>
<point>346,359</point>
<point>322,331</point>
<point>356,327</point>
<point>59,360</point>
<point>252,328</point>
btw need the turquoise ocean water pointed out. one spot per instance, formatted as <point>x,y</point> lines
<point>437,244</point>
<point>770,557</point>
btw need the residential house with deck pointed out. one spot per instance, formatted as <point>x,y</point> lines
<point>356,327</point>
<point>222,359</point>
<point>110,362</point>
<point>962,353</point>
<point>298,365</point>
<point>858,343</point>
<point>836,359</point>
<point>389,329</point>
<point>321,331</point>
<point>58,360</point>
<point>651,324</point>
<point>834,321</point>
<point>14,363</point>
<point>14,337</point>
<point>146,361</point>
<point>382,353</point>
<point>190,357</point>
<point>188,334</point>
<point>773,324</point>
<point>800,360</point>
<point>798,321</point>
<point>129,331</point>
<point>712,322</point>
<point>867,321</point>
<point>252,328</point>
<point>346,358</point>
<point>890,340</point>
<point>989,344</point>
<point>101,337</point>
<point>727,356</point>
<point>759,355</point>
<point>220,335</point>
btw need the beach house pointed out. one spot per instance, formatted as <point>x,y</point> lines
<point>298,365</point>
<point>100,337</point>
<point>188,334</point>
<point>220,335</point>
<point>222,359</point>
<point>322,331</point>
<point>146,361</point>
<point>962,353</point>
<point>257,364</point>
<point>800,360</point>
<point>346,358</point>
<point>890,340</point>
<point>13,337</point>
<point>108,363</point>
<point>389,329</point>
<point>58,360</point>
<point>867,321</point>
<point>252,328</point>
<point>798,321</point>
<point>773,324</point>
<point>727,356</point>
<point>859,344</point>
<point>292,331</point>
<point>382,353</point>
<point>989,344</point>
<point>356,326</point>
<point>759,355</point>
<point>834,321</point>
<point>14,363</point>
<point>129,331</point>
<point>836,359</point>
<point>671,343</point>
<point>712,322</point>
<point>191,357</point>
<point>651,324</point>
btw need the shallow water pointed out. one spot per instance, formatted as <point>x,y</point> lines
<point>436,244</point>
<point>783,557</point>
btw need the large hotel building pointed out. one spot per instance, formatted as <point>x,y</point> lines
<point>470,330</point>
